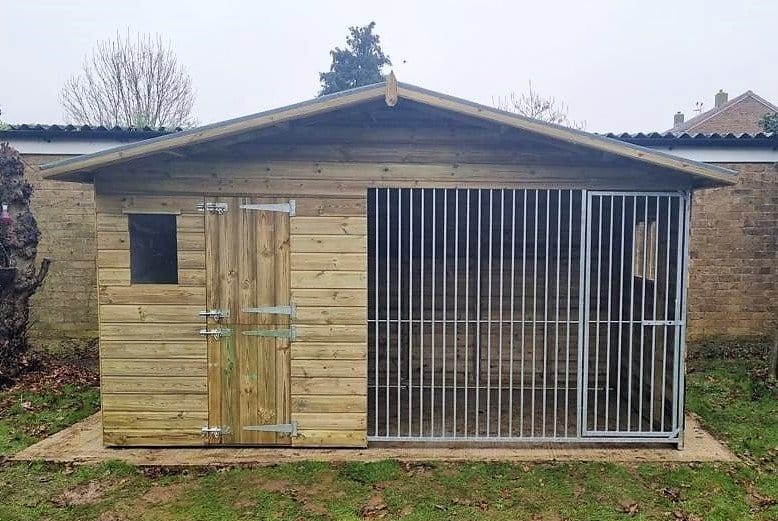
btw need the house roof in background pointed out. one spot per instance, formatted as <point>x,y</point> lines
<point>705,116</point>
<point>41,131</point>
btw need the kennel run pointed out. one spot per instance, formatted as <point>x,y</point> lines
<point>390,265</point>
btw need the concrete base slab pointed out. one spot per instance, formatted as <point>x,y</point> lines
<point>82,444</point>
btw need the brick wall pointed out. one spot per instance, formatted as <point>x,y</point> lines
<point>733,286</point>
<point>738,118</point>
<point>65,307</point>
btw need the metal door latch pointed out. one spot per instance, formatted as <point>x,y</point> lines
<point>216,333</point>
<point>217,208</point>
<point>216,314</point>
<point>216,432</point>
<point>282,428</point>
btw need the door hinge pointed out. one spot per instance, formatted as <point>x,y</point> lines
<point>216,432</point>
<point>283,428</point>
<point>217,208</point>
<point>290,333</point>
<point>216,333</point>
<point>289,207</point>
<point>290,310</point>
<point>216,314</point>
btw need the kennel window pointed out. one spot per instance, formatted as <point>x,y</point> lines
<point>153,249</point>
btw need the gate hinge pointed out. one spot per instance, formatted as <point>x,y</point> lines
<point>290,333</point>
<point>217,208</point>
<point>216,432</point>
<point>283,428</point>
<point>290,310</point>
<point>289,207</point>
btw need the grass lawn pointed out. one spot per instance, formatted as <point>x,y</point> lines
<point>727,393</point>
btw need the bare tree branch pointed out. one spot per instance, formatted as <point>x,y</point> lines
<point>533,105</point>
<point>126,82</point>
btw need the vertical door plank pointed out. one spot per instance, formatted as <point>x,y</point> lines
<point>265,296</point>
<point>248,345</point>
<point>213,247</point>
<point>230,243</point>
<point>283,297</point>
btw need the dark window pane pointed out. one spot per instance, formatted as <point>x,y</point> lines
<point>153,250</point>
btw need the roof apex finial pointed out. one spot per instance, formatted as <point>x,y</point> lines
<point>391,89</point>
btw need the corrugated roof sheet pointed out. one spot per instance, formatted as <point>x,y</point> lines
<point>86,131</point>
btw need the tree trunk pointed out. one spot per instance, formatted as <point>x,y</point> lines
<point>19,275</point>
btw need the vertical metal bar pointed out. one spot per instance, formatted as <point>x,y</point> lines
<point>631,310</point>
<point>422,304</point>
<point>375,386</point>
<point>410,311</point>
<point>687,204</point>
<point>534,312</point>
<point>610,322</point>
<point>596,410</point>
<point>388,312</point>
<point>513,315</point>
<point>456,302</point>
<point>502,333</point>
<point>655,317</point>
<point>679,289</point>
<point>433,312</point>
<point>445,322</point>
<point>545,312</point>
<point>523,307</point>
<point>467,314</point>
<point>557,304</point>
<point>489,319</point>
<point>621,313</point>
<point>569,321</point>
<point>399,302</point>
<point>478,324</point>
<point>667,309</point>
<point>644,273</point>
<point>583,311</point>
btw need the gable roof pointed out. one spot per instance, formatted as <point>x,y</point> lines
<point>698,120</point>
<point>391,91</point>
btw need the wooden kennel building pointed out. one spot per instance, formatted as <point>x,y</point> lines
<point>390,264</point>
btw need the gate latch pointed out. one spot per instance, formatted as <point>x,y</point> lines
<point>216,314</point>
<point>282,428</point>
<point>216,432</point>
<point>216,333</point>
<point>217,208</point>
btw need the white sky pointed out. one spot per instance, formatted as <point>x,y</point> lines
<point>619,65</point>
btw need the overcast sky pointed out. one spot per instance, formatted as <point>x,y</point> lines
<point>619,65</point>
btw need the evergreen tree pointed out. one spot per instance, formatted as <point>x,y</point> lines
<point>769,122</point>
<point>359,64</point>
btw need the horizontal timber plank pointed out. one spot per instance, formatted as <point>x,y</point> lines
<point>190,241</point>
<point>329,351</point>
<point>330,207</point>
<point>328,261</point>
<point>187,420</point>
<point>113,240</point>
<point>329,279</point>
<point>153,367</point>
<point>328,225</point>
<point>117,204</point>
<point>329,297</point>
<point>328,243</point>
<point>194,259</point>
<point>153,349</point>
<point>113,258</point>
<point>329,368</point>
<point>306,403</point>
<point>152,294</point>
<point>330,421</point>
<point>113,276</point>
<point>152,437</point>
<point>330,438</point>
<point>138,402</point>
<point>149,313</point>
<point>191,277</point>
<point>331,333</point>
<point>111,222</point>
<point>326,385</point>
<point>150,331</point>
<point>154,384</point>
<point>331,315</point>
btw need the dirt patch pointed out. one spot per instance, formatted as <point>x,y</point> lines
<point>88,494</point>
<point>47,373</point>
<point>160,495</point>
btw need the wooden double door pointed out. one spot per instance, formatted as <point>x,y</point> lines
<point>248,321</point>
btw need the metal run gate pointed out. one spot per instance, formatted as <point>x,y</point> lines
<point>501,315</point>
